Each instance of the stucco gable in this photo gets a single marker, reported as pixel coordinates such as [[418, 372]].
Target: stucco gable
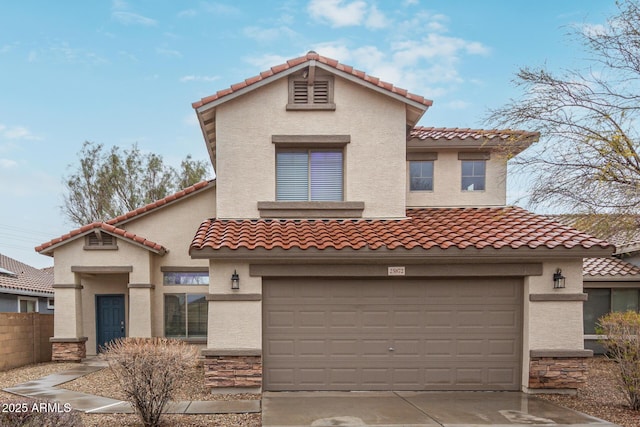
[[48, 248]]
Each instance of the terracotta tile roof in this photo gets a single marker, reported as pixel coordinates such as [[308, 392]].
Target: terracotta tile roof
[[323, 60], [119, 232], [109, 225], [608, 267], [18, 276], [461, 228], [433, 133]]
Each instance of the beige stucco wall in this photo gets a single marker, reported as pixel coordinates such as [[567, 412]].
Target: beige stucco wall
[[234, 324], [447, 182], [552, 325], [374, 159], [172, 226]]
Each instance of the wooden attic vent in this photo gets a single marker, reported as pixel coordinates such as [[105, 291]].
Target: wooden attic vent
[[100, 240], [310, 90]]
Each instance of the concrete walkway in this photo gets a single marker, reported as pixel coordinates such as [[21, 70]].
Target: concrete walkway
[[46, 388]]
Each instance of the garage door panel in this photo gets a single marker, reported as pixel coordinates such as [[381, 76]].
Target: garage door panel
[[337, 334]]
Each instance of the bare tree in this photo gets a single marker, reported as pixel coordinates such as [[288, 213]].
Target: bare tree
[[588, 158], [107, 184]]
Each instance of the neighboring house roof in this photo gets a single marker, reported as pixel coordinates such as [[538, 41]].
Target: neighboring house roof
[[110, 225], [609, 268], [292, 66], [431, 228], [19, 278]]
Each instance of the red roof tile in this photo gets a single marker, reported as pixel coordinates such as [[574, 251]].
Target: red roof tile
[[321, 59], [18, 276], [85, 229], [432, 133], [608, 267], [460, 228]]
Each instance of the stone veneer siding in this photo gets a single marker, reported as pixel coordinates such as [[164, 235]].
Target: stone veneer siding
[[68, 351], [557, 372], [232, 371]]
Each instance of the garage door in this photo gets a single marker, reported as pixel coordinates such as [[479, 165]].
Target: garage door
[[324, 334]]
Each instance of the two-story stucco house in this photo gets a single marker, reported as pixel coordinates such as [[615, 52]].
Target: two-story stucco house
[[341, 247]]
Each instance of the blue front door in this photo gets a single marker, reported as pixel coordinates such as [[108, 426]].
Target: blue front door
[[109, 319]]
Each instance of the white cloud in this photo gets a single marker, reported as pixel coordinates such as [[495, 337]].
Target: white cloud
[[193, 78], [191, 120], [120, 11], [338, 13], [187, 13], [7, 163], [266, 61], [376, 19], [17, 132], [172, 53], [220, 9], [261, 35], [458, 104], [33, 56], [130, 18]]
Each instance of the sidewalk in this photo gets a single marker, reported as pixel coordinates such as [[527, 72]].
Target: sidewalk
[[46, 388]]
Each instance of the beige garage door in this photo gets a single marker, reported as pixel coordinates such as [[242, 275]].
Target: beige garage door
[[324, 334]]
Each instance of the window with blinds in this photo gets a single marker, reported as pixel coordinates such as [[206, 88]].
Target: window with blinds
[[309, 175]]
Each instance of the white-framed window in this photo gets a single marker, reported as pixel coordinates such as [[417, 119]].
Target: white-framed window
[[51, 303], [474, 173], [421, 175], [309, 175], [185, 278], [27, 305], [185, 315]]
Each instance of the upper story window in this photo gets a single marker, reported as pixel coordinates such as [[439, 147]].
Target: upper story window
[[421, 175], [474, 173], [309, 175], [310, 90]]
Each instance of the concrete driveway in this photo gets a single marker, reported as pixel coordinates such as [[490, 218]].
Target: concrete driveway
[[446, 409]]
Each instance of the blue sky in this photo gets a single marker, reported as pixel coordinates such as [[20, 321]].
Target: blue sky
[[120, 72]]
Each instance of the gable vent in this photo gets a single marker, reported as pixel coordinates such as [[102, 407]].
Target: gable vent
[[104, 240], [321, 92], [300, 93]]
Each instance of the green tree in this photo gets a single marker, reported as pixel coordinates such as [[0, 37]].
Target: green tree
[[108, 183], [588, 158]]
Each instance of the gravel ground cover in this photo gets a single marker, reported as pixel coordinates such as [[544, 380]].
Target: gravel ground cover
[[103, 383], [601, 396]]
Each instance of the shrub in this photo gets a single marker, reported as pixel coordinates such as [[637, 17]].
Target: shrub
[[38, 413], [622, 344], [149, 371]]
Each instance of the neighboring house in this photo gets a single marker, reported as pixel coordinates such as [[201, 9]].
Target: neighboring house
[[341, 247], [25, 289], [612, 284]]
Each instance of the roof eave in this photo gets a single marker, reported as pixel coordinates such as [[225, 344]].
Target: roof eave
[[348, 255]]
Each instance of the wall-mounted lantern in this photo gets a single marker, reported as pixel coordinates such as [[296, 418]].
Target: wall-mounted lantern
[[235, 281], [558, 280]]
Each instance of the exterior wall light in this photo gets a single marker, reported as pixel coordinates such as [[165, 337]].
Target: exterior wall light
[[558, 279], [235, 280]]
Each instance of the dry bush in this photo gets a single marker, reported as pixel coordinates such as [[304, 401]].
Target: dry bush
[[149, 371], [623, 346], [38, 413]]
